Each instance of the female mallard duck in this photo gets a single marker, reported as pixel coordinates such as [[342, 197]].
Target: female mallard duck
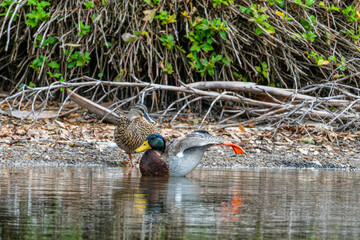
[[132, 130], [181, 157]]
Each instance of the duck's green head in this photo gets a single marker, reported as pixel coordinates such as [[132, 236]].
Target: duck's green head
[[154, 141]]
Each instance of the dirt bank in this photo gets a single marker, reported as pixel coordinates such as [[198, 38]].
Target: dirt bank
[[74, 141], [105, 154]]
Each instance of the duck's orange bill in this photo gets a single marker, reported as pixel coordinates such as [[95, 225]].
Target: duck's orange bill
[[237, 149]]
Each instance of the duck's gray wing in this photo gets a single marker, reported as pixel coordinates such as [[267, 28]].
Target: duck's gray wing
[[185, 153]]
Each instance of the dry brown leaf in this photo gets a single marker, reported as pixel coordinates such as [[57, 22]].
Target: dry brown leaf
[[60, 124], [241, 128]]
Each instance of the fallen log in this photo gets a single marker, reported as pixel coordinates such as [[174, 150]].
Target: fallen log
[[249, 87], [103, 112]]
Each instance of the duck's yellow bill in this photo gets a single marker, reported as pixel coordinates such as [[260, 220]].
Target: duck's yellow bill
[[143, 147], [237, 149]]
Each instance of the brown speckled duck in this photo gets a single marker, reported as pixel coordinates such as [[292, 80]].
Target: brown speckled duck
[[181, 156], [132, 130]]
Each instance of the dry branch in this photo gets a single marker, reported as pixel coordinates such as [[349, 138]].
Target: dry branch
[[314, 108]]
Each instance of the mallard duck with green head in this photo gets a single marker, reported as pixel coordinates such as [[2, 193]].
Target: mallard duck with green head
[[181, 156], [132, 130]]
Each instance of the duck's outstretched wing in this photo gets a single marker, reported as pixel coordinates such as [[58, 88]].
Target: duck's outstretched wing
[[199, 139]]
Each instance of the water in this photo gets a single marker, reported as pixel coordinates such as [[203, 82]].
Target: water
[[106, 203]]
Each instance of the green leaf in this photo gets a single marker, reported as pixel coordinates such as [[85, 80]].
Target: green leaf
[[308, 140], [222, 35], [53, 64], [270, 29], [211, 72], [89, 4], [258, 31], [32, 2], [44, 4], [246, 10], [308, 3], [217, 57], [206, 47], [71, 65], [100, 75], [32, 22], [195, 48]]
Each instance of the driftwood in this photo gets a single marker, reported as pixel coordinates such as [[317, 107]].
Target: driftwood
[[249, 87], [103, 112]]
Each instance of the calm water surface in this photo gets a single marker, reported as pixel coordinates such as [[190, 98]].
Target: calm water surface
[[106, 203]]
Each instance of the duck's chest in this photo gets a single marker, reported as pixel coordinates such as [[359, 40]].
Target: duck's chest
[[152, 164]]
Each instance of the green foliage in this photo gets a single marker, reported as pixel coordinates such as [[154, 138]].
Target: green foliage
[[50, 42], [219, 2], [355, 37], [180, 49], [258, 17], [331, 8], [38, 62], [6, 4], [310, 36], [240, 76], [341, 65], [202, 65], [83, 29], [166, 18], [319, 60], [78, 59], [204, 30], [308, 25], [168, 68], [307, 3], [272, 2], [168, 41], [38, 15], [201, 38], [263, 69], [351, 14], [89, 5], [153, 3]]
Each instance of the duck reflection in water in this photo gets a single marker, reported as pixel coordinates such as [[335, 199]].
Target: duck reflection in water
[[168, 202]]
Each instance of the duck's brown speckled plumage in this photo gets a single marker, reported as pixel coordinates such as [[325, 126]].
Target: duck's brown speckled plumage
[[132, 130]]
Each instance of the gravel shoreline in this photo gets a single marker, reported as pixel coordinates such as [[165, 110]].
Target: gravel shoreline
[[107, 154]]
